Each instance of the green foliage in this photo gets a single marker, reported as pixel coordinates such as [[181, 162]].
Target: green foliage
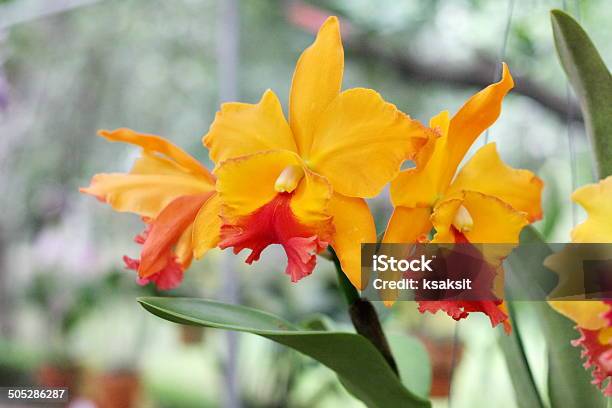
[[592, 83], [569, 384], [359, 366], [527, 394]]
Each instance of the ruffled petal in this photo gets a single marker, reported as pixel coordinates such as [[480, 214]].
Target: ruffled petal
[[359, 127], [275, 223], [596, 199], [246, 184], [597, 356], [587, 314], [353, 226], [310, 200], [316, 82], [486, 173], [461, 309], [493, 221], [242, 129], [166, 231]]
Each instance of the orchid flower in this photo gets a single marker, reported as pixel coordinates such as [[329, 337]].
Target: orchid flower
[[172, 192], [301, 183], [485, 202], [593, 318]]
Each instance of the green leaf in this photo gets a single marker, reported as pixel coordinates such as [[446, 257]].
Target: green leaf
[[527, 394], [413, 363], [591, 82], [358, 364], [569, 383]]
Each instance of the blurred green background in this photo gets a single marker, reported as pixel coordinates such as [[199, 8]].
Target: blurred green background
[[68, 68]]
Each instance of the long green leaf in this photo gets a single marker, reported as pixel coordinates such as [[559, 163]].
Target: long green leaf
[[591, 82], [358, 364], [569, 384], [521, 375], [413, 363]]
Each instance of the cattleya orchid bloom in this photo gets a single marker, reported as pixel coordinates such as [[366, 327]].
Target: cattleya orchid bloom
[[593, 318], [175, 196], [301, 183], [485, 202]]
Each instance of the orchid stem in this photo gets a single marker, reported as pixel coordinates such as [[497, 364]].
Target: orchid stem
[[364, 316]]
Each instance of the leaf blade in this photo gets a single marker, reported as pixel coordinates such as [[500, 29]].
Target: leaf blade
[[591, 81], [354, 359]]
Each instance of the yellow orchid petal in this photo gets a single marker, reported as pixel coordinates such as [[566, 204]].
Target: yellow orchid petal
[[422, 186], [311, 198], [442, 219], [241, 128], [476, 115], [586, 314], [153, 143], [353, 225], [488, 174], [359, 127], [206, 227], [596, 199], [247, 183], [151, 163], [169, 235], [144, 194], [316, 82], [493, 221], [605, 336], [184, 247], [407, 225]]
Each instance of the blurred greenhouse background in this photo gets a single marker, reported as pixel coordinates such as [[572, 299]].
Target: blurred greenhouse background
[[71, 67]]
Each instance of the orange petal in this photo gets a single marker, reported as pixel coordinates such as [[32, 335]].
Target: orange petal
[[246, 184], [311, 199], [275, 223], [596, 199], [354, 225], [206, 227], [166, 230], [474, 117], [153, 143], [423, 185], [408, 225], [488, 174], [242, 128], [493, 221], [586, 314], [144, 194], [316, 82], [360, 128]]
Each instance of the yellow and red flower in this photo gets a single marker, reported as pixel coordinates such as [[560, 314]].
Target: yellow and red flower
[[173, 193], [593, 318], [485, 202], [301, 183]]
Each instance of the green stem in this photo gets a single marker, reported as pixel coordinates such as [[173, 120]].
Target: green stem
[[364, 316]]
